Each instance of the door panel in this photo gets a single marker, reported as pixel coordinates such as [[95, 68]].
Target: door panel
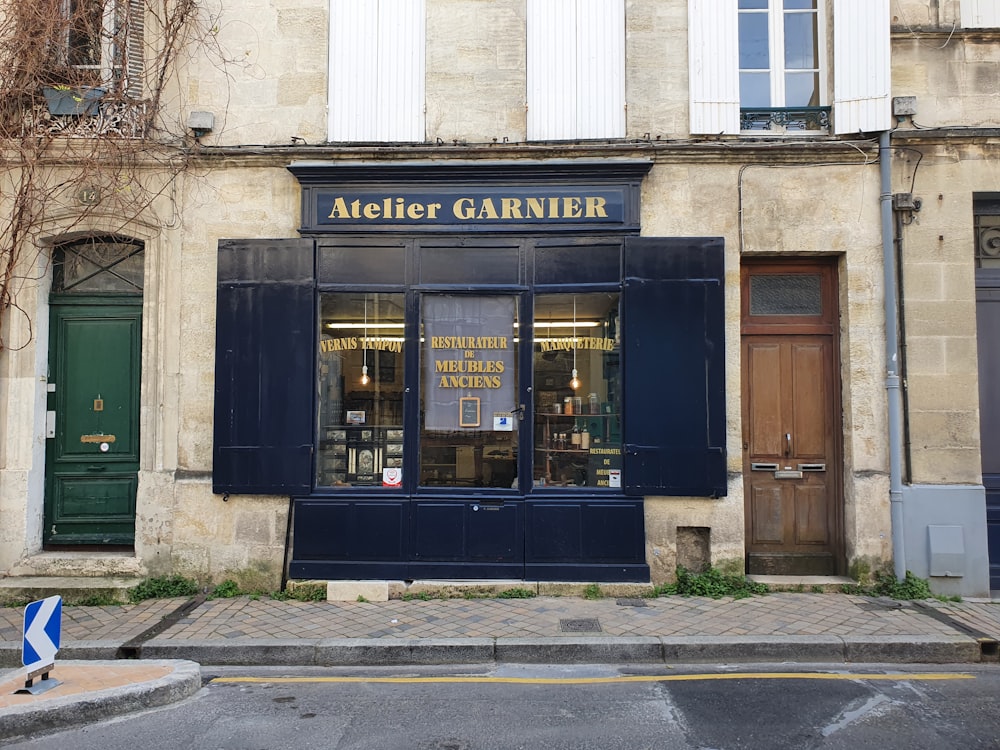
[[791, 432], [92, 460], [988, 325]]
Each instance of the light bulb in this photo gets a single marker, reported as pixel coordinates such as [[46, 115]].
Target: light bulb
[[574, 382], [365, 380]]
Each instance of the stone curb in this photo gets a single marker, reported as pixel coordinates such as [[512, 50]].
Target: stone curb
[[68, 711], [940, 649]]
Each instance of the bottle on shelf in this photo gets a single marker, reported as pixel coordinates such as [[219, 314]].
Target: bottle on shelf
[[574, 437], [585, 439], [595, 405]]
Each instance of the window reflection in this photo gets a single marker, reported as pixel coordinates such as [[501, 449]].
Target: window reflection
[[360, 380], [469, 391], [577, 440]]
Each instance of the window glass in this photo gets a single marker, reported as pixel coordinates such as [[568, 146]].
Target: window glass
[[801, 89], [468, 431], [987, 230], [786, 294], [98, 266], [755, 90], [754, 53], [360, 382], [800, 41], [577, 390]]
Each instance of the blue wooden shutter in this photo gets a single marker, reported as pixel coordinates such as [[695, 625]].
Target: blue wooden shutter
[[264, 369], [673, 367]]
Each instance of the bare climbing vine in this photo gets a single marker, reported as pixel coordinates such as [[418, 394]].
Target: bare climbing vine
[[89, 123]]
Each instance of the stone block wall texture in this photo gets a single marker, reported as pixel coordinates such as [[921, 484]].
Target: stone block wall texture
[[271, 92]]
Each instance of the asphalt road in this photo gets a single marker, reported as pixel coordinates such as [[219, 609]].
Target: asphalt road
[[579, 707]]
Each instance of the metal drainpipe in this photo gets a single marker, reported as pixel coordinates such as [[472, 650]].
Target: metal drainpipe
[[892, 379]]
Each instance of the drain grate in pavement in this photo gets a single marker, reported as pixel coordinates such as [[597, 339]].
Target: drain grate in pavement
[[631, 602], [583, 625]]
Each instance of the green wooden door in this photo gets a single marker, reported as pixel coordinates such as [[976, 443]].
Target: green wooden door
[[92, 450]]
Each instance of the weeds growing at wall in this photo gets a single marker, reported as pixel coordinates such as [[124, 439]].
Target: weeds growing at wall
[[712, 583]]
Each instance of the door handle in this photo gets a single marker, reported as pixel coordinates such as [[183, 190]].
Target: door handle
[[788, 443], [97, 468]]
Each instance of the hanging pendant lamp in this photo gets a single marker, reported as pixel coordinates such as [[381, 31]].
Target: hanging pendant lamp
[[574, 382], [365, 380]]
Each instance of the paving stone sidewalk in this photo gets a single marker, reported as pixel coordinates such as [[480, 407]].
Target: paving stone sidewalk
[[776, 615]]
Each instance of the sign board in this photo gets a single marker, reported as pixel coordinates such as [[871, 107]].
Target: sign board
[[42, 626]]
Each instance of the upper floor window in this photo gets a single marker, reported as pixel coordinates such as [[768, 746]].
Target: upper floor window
[[779, 56], [376, 70], [576, 69], [763, 66], [100, 44]]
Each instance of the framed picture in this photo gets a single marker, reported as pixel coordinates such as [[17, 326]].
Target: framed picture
[[468, 411], [355, 417]]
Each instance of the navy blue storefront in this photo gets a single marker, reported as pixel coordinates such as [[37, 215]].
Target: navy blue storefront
[[470, 370]]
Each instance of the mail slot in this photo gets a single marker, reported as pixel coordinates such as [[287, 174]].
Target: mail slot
[[788, 474], [763, 467], [812, 467]]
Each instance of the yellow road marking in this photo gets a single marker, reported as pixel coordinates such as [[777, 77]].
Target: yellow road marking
[[460, 679]]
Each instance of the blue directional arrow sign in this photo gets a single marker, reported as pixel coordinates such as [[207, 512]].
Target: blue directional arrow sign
[[42, 623]]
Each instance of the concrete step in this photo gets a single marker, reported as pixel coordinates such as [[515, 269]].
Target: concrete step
[[19, 590], [806, 584]]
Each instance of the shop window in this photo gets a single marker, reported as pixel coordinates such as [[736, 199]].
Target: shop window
[[577, 387], [360, 385], [376, 87], [469, 371], [576, 69]]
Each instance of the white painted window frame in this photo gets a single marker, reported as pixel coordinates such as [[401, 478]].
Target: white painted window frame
[[776, 48], [861, 74]]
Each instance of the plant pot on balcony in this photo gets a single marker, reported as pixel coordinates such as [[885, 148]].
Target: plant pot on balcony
[[73, 100]]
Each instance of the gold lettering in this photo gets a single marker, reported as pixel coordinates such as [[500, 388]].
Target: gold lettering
[[463, 208], [510, 208], [487, 210], [432, 209], [339, 210], [415, 211], [571, 208], [372, 210], [596, 207], [536, 208]]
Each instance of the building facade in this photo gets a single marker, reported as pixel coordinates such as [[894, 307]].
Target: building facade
[[566, 291]]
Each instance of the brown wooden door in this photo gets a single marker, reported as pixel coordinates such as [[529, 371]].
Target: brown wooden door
[[791, 431]]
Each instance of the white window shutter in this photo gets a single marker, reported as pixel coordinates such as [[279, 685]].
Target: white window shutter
[[376, 70], [400, 97], [713, 69], [980, 14], [601, 66], [861, 72], [576, 69]]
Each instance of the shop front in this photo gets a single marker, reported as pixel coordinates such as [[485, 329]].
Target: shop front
[[469, 370]]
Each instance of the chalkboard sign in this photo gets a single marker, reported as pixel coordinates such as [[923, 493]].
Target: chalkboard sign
[[468, 411]]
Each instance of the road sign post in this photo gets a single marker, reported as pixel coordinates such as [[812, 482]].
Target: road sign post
[[42, 626]]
